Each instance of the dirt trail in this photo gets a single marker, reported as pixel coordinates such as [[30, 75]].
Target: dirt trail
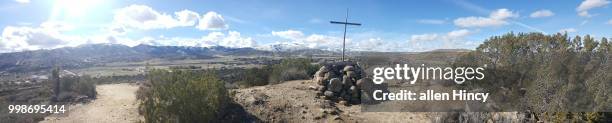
[[116, 103]]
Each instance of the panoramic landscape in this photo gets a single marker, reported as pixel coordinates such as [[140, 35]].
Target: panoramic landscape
[[64, 61]]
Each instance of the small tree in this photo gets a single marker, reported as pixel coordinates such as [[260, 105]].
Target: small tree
[[55, 79]]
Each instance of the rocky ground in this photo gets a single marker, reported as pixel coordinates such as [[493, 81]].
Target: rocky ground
[[295, 101]]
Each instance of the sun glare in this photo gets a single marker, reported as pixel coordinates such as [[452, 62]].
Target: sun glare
[[74, 8]]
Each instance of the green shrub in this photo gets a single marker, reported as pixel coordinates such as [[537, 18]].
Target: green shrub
[[71, 87], [547, 73], [86, 86], [287, 69], [255, 77], [292, 69], [183, 96]]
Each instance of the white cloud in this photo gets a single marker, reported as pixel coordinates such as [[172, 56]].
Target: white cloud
[[496, 18], [432, 21], [584, 14], [298, 39], [212, 21], [458, 33], [22, 1], [502, 14], [453, 39], [568, 30], [145, 17], [187, 17], [541, 13], [46, 36], [232, 39], [609, 22], [586, 5], [289, 34]]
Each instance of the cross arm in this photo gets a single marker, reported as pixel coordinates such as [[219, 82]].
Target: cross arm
[[347, 23]]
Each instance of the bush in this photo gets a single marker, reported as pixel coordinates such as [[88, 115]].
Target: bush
[[182, 96], [255, 77], [71, 87], [86, 86], [547, 73], [292, 69], [287, 69]]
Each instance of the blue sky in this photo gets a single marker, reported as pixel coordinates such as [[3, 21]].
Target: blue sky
[[419, 25]]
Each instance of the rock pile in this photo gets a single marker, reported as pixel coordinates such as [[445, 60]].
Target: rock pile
[[342, 82]]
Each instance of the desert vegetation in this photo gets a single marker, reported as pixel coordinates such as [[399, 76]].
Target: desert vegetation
[[182, 96], [190, 95], [554, 74], [69, 88], [57, 90], [287, 69]]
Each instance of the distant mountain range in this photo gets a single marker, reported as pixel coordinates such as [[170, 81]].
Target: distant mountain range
[[93, 54], [98, 54]]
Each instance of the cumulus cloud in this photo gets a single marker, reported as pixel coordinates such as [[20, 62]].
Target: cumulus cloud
[[22, 1], [187, 17], [586, 5], [212, 21], [145, 17], [318, 41], [541, 13], [231, 39], [289, 34], [47, 35], [496, 18], [568, 30]]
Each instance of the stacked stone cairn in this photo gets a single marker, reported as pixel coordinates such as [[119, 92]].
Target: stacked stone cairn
[[342, 82]]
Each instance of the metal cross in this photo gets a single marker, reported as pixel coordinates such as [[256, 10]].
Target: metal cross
[[346, 23]]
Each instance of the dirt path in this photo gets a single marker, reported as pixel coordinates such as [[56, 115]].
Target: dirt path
[[116, 103]]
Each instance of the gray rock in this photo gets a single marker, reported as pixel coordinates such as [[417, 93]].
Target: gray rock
[[347, 82], [328, 94], [365, 84], [351, 74], [324, 69], [320, 73], [319, 80], [322, 88], [349, 68], [335, 85], [329, 75], [354, 89]]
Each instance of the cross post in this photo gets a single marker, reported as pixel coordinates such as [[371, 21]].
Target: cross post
[[346, 23]]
